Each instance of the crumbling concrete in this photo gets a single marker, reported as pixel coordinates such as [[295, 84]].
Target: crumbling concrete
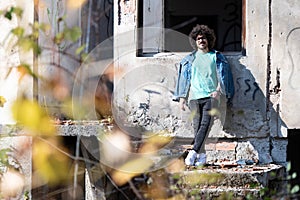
[[254, 182]]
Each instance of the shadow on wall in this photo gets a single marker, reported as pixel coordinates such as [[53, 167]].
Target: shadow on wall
[[103, 94], [253, 120]]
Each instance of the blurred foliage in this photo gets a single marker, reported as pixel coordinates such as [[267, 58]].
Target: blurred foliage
[[13, 10], [50, 164], [25, 69], [196, 178], [131, 169], [4, 158], [52, 161], [2, 101], [33, 117], [75, 3]]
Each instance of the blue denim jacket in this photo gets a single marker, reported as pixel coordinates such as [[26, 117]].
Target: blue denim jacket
[[184, 76]]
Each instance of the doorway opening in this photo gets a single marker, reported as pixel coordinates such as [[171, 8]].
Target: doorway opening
[[292, 155]]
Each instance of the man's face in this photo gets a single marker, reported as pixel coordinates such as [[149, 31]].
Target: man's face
[[202, 42]]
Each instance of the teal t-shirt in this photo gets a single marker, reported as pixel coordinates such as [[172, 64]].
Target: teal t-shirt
[[204, 75]]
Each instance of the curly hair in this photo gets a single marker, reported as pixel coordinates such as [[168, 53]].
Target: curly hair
[[205, 31]]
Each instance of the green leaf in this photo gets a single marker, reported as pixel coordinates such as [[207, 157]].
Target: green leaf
[[19, 31], [288, 167], [18, 11], [80, 49], [59, 37], [8, 14], [295, 189], [72, 34], [84, 56], [14, 10], [3, 156], [44, 27], [294, 175], [28, 44]]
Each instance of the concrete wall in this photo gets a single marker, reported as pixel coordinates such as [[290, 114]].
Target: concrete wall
[[285, 58], [13, 86], [262, 109], [58, 68], [265, 79], [10, 86]]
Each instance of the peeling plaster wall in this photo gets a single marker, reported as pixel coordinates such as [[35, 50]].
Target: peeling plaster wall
[[266, 88], [9, 57], [286, 59], [262, 107], [12, 87], [56, 67]]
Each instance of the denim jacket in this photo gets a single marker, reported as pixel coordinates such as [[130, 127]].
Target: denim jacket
[[184, 76]]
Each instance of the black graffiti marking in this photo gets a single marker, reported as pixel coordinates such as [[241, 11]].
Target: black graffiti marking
[[255, 90], [249, 87], [235, 26], [238, 84], [246, 81], [233, 12], [291, 57]]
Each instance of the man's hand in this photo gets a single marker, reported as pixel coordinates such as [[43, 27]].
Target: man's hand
[[182, 103], [215, 95]]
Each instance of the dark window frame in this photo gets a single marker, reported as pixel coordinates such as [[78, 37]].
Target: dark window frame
[[242, 27]]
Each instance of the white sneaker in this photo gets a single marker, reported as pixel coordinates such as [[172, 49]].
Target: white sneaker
[[200, 159], [191, 157]]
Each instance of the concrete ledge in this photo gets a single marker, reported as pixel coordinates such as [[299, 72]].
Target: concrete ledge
[[235, 181]]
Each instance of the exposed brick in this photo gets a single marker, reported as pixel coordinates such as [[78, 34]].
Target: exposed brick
[[210, 146], [226, 146]]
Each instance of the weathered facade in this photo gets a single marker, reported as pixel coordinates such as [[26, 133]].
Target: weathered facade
[[264, 72], [137, 40]]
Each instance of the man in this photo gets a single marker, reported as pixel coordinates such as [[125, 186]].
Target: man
[[203, 76]]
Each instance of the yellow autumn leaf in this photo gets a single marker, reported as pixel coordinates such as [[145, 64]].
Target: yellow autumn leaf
[[2, 101], [131, 169], [155, 143], [215, 112], [51, 165], [175, 166], [75, 3], [33, 117], [24, 69]]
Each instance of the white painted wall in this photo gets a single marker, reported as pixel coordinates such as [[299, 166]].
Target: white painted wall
[[10, 57]]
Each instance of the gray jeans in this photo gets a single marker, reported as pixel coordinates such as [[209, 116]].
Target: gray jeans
[[200, 109]]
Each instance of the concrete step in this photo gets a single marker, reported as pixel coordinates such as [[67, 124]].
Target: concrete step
[[254, 182]]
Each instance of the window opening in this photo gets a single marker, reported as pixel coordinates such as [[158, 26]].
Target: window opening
[[225, 17]]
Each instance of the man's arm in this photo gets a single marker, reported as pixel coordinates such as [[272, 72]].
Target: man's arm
[[182, 104]]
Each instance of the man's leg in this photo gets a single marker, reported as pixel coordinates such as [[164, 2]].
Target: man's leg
[[205, 105], [195, 112]]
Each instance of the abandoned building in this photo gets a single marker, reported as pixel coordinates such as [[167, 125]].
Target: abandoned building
[[134, 48]]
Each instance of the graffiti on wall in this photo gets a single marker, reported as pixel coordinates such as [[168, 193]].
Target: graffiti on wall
[[232, 34], [247, 87], [294, 56]]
